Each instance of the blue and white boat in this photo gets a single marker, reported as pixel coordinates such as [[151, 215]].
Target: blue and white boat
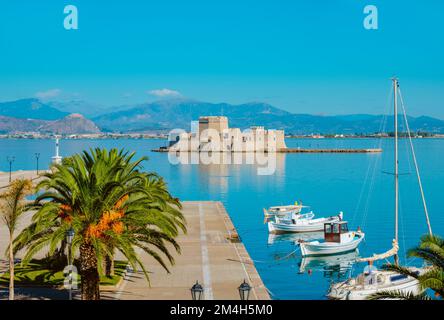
[[337, 239]]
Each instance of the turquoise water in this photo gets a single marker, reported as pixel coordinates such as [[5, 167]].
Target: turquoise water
[[353, 183]]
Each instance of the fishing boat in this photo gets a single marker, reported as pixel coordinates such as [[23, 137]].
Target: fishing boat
[[301, 223], [283, 211], [337, 239], [372, 280]]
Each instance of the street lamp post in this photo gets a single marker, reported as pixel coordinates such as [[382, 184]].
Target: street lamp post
[[37, 156], [197, 291], [69, 237], [10, 160], [244, 290]]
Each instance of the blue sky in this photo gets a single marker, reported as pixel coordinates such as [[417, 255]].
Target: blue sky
[[305, 56]]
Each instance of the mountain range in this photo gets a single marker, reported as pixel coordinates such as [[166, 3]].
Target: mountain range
[[161, 116], [32, 115]]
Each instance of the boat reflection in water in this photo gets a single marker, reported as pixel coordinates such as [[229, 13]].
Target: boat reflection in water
[[293, 237], [333, 266]]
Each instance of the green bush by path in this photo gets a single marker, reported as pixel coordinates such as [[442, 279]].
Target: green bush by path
[[36, 273]]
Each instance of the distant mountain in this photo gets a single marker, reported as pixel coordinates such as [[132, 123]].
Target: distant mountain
[[9, 125], [166, 115], [72, 124], [169, 114], [30, 109], [78, 106]]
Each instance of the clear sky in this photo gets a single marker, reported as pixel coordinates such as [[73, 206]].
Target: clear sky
[[305, 56]]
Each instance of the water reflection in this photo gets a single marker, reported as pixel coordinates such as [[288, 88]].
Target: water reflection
[[294, 237], [334, 266], [218, 171], [263, 163]]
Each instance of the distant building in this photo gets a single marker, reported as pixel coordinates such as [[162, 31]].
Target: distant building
[[213, 134]]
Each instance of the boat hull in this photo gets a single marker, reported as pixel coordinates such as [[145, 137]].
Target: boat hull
[[329, 248]]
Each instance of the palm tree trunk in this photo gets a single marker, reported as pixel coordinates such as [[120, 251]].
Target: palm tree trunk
[[89, 273], [109, 266], [11, 269]]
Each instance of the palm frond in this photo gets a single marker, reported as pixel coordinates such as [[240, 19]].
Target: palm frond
[[397, 295]]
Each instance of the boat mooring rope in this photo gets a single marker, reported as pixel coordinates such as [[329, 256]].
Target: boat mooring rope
[[270, 261]]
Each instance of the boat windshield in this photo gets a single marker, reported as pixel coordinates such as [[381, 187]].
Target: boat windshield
[[328, 228], [336, 228]]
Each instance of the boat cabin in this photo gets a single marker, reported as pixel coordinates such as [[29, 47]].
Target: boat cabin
[[333, 231]]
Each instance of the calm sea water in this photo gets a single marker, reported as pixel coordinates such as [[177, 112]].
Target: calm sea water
[[353, 183]]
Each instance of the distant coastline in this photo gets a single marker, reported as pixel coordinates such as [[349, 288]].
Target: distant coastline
[[164, 136], [135, 136]]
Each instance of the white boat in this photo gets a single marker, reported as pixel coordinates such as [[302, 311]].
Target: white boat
[[301, 223], [337, 239], [372, 280], [283, 211]]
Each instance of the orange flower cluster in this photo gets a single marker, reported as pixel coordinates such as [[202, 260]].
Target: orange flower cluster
[[119, 202], [65, 213], [108, 221]]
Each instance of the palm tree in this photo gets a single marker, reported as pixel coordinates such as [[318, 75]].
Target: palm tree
[[111, 205], [431, 250], [156, 190], [12, 207]]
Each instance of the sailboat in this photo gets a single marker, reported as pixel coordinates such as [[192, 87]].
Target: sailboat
[[373, 280]]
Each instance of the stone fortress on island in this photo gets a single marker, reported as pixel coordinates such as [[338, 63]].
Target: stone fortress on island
[[212, 134]]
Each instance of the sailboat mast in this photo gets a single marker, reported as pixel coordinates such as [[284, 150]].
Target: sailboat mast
[[395, 90]]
